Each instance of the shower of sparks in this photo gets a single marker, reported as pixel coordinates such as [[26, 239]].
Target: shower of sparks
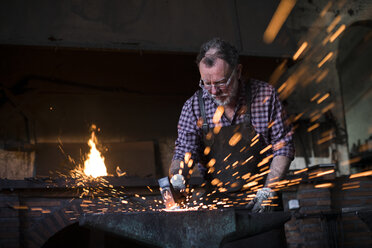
[[97, 194]]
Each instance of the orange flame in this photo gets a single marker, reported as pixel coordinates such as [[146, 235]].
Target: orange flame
[[94, 165]]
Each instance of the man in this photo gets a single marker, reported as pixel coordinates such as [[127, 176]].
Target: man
[[233, 129]]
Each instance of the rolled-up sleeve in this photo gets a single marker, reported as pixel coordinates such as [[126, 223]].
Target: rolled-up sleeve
[[189, 134], [280, 129]]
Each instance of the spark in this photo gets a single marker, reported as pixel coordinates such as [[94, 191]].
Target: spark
[[300, 50], [328, 107], [20, 207], [119, 172], [322, 75], [326, 8], [324, 185], [316, 125], [254, 142], [298, 116], [282, 12], [235, 139], [266, 149], [315, 117], [217, 129], [333, 24], [319, 174], [351, 161], [315, 97], [271, 124], [246, 176], [326, 58], [291, 184], [278, 73], [249, 185], [207, 150], [215, 181], [361, 174], [350, 184], [281, 88], [247, 160], [274, 178], [337, 33], [265, 100], [264, 173], [218, 114], [326, 39], [323, 98], [255, 137], [265, 160], [211, 162], [187, 157], [325, 139], [189, 164], [351, 187], [226, 157]]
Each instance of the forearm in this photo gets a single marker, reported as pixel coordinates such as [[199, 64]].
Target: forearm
[[278, 168], [174, 168]]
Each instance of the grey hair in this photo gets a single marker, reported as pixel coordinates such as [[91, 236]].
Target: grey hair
[[223, 50]]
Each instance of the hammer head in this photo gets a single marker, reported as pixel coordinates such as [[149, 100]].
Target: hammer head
[[167, 193]]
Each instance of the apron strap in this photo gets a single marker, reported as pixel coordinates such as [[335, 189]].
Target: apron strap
[[248, 94], [205, 127]]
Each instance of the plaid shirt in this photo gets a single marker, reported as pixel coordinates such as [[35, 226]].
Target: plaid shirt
[[268, 119]]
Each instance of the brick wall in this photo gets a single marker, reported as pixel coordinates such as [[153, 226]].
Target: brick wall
[[9, 228], [328, 216]]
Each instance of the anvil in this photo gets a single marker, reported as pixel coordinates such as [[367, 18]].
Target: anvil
[[202, 228]]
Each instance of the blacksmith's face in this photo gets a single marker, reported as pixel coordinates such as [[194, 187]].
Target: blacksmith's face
[[215, 78]]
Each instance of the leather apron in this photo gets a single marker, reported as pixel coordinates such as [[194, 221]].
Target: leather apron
[[231, 166]]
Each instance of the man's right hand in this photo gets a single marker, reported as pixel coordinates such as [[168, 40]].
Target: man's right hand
[[178, 182], [179, 186]]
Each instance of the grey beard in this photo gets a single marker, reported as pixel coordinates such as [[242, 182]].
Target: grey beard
[[234, 93]]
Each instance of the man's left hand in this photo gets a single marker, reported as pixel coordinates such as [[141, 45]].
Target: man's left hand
[[257, 205]]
